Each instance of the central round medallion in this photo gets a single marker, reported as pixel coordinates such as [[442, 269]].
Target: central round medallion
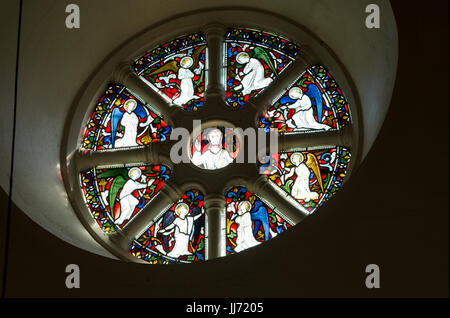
[[214, 148]]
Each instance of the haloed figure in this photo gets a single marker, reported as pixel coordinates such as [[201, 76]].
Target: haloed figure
[[130, 122], [182, 227], [303, 118], [128, 201], [215, 157], [253, 74], [300, 189], [185, 75], [245, 238]]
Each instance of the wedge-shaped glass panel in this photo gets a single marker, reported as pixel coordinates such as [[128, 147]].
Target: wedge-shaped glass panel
[[311, 177], [177, 70], [250, 221], [176, 236], [121, 120], [313, 103], [253, 59], [115, 195]]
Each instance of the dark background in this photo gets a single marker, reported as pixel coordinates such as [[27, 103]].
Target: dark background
[[392, 212]]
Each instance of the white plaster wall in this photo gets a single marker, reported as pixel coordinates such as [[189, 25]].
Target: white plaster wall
[[55, 62]]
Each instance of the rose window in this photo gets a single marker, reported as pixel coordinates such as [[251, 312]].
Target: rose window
[[143, 203]]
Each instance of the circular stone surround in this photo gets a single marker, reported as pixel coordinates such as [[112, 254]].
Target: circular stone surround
[[214, 184]]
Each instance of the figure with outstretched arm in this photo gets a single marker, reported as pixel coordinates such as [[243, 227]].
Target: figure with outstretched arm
[[128, 201], [182, 228], [215, 156], [185, 71]]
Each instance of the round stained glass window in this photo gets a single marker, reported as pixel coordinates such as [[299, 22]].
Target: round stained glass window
[[135, 177]]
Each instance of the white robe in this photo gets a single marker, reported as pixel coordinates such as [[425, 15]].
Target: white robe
[[245, 238], [303, 119], [210, 160], [187, 87], [128, 201], [254, 77], [300, 189], [130, 123], [183, 230]]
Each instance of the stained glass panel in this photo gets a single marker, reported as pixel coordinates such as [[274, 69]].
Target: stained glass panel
[[211, 149], [116, 195], [311, 177], [249, 221], [253, 60], [177, 236], [315, 102], [177, 70], [122, 120]]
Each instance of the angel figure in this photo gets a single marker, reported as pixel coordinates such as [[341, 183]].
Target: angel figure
[[184, 228], [126, 184], [185, 75], [245, 238], [215, 157], [303, 118], [130, 121], [300, 189], [253, 73], [186, 70]]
